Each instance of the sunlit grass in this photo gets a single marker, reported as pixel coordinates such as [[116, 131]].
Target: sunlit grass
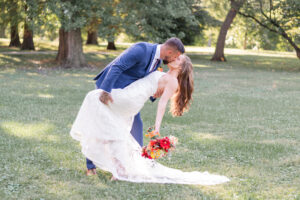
[[36, 131], [45, 96], [197, 50]]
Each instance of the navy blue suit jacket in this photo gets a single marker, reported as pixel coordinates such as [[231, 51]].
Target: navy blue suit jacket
[[134, 63]]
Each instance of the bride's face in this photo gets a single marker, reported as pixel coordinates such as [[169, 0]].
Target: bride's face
[[176, 63]]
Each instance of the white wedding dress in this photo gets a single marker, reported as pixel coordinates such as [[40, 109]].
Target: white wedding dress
[[104, 134]]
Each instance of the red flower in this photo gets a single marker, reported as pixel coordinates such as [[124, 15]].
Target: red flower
[[165, 143], [145, 153]]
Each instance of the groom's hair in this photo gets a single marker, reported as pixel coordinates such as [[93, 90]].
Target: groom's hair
[[176, 44]]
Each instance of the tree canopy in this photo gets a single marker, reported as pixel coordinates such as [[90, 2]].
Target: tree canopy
[[267, 24]]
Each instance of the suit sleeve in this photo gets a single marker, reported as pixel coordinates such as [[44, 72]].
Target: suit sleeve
[[125, 61]]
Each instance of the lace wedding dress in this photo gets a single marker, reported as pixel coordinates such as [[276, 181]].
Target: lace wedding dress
[[104, 134]]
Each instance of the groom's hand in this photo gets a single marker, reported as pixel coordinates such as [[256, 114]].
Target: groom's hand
[[105, 98], [158, 92]]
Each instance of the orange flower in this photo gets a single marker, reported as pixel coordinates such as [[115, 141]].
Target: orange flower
[[152, 134]]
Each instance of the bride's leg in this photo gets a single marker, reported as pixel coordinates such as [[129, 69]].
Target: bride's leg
[[120, 168], [115, 149]]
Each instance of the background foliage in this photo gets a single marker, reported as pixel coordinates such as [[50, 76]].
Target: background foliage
[[195, 22]]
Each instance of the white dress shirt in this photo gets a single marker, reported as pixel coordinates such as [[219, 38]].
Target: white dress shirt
[[156, 57]]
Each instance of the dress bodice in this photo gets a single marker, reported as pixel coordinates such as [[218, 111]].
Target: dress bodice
[[130, 100]]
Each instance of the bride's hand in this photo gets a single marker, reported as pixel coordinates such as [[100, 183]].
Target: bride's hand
[[156, 131]]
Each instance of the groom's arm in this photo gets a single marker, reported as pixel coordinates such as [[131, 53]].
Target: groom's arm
[[125, 61]]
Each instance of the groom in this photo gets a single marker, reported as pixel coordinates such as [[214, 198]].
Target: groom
[[134, 63]]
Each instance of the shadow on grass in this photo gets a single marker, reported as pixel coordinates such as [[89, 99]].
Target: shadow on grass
[[7, 49], [27, 61], [48, 46], [48, 60]]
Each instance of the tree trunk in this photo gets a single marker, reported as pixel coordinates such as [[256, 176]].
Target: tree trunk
[[298, 53], [92, 37], [27, 39], [209, 40], [245, 41], [70, 53], [14, 36], [62, 46], [2, 31], [219, 52], [75, 57], [297, 49], [111, 46]]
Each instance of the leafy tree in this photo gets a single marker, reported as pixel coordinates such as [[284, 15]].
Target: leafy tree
[[158, 20], [73, 15], [3, 18], [26, 13], [111, 21], [93, 22], [45, 22], [36, 17], [13, 16], [191, 26], [31, 11], [243, 34], [235, 5], [278, 16], [92, 31]]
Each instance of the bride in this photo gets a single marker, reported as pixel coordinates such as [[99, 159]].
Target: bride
[[104, 130]]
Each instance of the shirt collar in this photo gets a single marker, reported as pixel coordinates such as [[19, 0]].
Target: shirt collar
[[157, 53]]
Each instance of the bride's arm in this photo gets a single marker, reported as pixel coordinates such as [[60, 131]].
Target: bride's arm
[[169, 90]]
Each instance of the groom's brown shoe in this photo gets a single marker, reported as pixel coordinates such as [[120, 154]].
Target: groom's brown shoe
[[91, 172]]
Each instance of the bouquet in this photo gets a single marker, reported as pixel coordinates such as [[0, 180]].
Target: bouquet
[[160, 69], [158, 147]]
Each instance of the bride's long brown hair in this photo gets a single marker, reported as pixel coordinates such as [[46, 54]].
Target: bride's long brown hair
[[181, 100]]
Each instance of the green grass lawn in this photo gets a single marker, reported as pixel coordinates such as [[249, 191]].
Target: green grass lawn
[[244, 123]]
